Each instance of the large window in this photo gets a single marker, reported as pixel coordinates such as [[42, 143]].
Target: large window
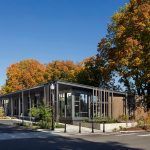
[[99, 104], [62, 104], [81, 105]]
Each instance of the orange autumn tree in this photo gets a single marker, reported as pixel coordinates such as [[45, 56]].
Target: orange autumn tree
[[24, 74], [127, 45], [62, 70]]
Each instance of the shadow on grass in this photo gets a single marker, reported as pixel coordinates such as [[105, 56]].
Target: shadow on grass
[[60, 143]]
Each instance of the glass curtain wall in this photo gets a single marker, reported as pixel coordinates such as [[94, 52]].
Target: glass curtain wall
[[81, 105], [62, 104], [99, 104]]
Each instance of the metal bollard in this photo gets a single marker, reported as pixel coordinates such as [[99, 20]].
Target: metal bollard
[[92, 127], [103, 126], [65, 128], [79, 127]]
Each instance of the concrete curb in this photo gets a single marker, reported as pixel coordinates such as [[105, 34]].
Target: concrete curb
[[134, 131], [60, 133]]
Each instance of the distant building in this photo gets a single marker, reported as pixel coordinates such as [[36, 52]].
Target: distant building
[[81, 101]]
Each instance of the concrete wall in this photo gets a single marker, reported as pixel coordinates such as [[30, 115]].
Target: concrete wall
[[109, 127], [116, 126], [117, 107]]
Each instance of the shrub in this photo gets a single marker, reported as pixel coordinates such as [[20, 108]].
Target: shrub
[[58, 125], [35, 112], [115, 130], [43, 115], [144, 121], [147, 120], [122, 128], [123, 118], [141, 122], [44, 124], [2, 114], [106, 120]]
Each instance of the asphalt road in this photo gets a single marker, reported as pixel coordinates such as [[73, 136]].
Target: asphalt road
[[14, 138]]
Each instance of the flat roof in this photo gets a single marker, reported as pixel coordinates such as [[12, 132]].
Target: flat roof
[[87, 86], [64, 83]]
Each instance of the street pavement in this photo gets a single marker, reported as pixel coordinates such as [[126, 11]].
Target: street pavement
[[16, 138]]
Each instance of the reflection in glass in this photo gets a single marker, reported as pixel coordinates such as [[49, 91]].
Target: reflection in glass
[[81, 105], [62, 104]]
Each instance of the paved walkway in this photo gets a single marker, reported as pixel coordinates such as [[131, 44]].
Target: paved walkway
[[75, 129], [18, 138], [72, 130]]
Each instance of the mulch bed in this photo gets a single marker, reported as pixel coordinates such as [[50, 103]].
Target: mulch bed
[[136, 129]]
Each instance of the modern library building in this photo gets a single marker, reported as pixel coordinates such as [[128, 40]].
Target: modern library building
[[68, 100]]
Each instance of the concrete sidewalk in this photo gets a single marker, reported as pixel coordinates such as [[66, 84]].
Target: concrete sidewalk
[[71, 130], [75, 129]]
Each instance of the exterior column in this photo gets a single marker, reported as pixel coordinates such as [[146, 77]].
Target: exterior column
[[104, 101], [22, 104], [44, 99], [126, 105], [96, 102], [30, 105], [73, 105], [89, 106], [47, 95], [112, 95], [37, 101], [101, 103], [57, 102], [93, 103], [127, 114], [12, 111], [109, 105], [19, 107]]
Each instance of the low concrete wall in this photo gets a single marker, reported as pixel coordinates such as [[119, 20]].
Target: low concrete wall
[[116, 126], [108, 127], [87, 125]]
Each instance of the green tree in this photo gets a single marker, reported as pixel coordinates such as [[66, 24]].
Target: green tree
[[91, 72], [94, 73]]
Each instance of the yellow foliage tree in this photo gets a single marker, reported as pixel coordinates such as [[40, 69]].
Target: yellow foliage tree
[[62, 70], [127, 45]]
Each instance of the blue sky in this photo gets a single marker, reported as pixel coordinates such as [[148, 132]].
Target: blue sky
[[49, 30]]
